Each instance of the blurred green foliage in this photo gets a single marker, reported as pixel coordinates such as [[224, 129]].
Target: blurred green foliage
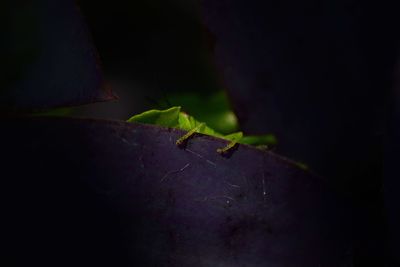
[[213, 109]]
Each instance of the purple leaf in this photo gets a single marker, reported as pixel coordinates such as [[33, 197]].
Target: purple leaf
[[116, 194]]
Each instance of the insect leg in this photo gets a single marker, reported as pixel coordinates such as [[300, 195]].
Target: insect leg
[[183, 139], [227, 147]]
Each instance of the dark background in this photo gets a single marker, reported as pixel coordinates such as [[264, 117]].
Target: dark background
[[321, 75], [148, 50]]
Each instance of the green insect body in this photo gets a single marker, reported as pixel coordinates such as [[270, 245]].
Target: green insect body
[[175, 118]]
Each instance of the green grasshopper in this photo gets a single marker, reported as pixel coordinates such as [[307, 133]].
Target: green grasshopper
[[175, 118]]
